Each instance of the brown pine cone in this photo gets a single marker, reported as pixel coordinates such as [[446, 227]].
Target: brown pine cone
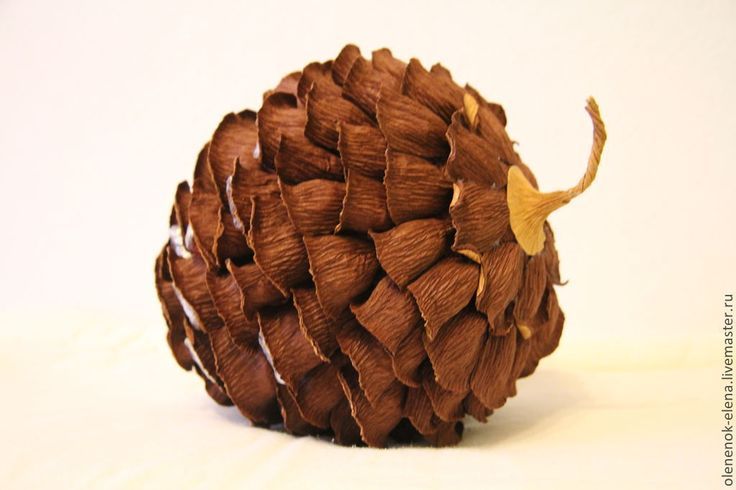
[[366, 257]]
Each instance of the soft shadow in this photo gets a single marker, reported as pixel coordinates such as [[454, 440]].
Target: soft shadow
[[541, 398], [231, 414]]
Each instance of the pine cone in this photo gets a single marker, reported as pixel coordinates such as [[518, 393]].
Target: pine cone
[[365, 258]]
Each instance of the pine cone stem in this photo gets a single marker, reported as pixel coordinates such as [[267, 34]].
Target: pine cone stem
[[529, 208]]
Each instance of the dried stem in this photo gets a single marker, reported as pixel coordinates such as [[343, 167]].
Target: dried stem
[[529, 208]]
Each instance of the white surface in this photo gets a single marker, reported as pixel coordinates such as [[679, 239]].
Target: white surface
[[104, 106], [104, 408]]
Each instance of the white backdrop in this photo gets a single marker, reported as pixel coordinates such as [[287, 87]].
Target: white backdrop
[[104, 106]]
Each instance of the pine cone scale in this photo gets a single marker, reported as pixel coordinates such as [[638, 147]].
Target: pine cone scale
[[410, 127], [415, 188], [247, 378]]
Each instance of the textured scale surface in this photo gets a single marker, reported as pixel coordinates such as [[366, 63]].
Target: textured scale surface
[[342, 264]]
